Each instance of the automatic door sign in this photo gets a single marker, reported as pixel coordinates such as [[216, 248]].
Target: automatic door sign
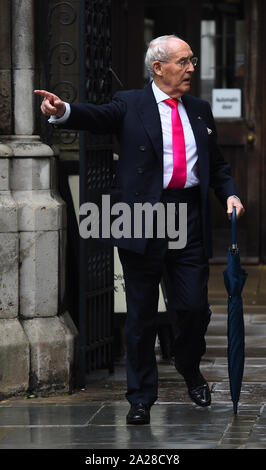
[[226, 102]]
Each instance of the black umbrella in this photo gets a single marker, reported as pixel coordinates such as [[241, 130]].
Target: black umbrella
[[234, 279]]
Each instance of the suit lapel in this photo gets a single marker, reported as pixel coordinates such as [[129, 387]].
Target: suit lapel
[[198, 125], [200, 133], [149, 114]]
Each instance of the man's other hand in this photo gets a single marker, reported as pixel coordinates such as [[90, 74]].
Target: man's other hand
[[234, 201], [51, 105]]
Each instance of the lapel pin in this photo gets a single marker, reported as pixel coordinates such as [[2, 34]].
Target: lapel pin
[[199, 117]]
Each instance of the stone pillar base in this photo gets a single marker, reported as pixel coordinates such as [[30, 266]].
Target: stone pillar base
[[14, 358], [52, 344]]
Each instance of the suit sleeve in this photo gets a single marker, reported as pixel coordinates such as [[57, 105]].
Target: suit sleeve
[[98, 119]]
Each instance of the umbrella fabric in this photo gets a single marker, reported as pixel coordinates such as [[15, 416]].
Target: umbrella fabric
[[234, 279]]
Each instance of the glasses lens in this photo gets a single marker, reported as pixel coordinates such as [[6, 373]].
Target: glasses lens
[[194, 61]]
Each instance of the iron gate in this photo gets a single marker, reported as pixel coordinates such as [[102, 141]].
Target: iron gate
[[96, 172], [77, 58]]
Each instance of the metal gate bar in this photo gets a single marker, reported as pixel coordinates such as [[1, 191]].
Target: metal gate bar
[[96, 290], [74, 51]]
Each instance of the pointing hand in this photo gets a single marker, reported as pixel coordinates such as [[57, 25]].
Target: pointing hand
[[51, 105]]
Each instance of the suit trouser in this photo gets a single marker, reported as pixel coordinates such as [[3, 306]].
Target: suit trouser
[[187, 273]]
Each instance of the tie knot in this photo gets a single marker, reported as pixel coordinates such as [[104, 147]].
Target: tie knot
[[172, 102]]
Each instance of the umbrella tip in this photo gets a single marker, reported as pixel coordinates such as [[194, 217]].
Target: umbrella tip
[[235, 409]]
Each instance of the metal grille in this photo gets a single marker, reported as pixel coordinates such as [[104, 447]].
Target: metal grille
[[77, 57], [96, 170]]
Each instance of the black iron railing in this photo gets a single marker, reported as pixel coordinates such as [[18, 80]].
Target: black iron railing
[[77, 52]]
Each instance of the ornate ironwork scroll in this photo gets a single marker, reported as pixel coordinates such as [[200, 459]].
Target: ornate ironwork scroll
[[62, 62]]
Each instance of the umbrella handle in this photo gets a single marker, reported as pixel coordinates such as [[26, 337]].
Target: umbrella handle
[[233, 226]]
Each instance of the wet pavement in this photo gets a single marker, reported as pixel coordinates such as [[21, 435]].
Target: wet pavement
[[94, 418]]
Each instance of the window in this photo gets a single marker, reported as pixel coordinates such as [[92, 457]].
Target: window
[[223, 56]]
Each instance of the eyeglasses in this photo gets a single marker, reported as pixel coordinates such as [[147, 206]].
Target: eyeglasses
[[184, 63]]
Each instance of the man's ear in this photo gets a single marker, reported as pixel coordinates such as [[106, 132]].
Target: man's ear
[[157, 67]]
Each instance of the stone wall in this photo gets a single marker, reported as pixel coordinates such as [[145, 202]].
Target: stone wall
[[37, 340]]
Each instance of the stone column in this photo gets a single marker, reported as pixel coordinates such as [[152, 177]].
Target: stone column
[[38, 228], [14, 344], [5, 69], [23, 65]]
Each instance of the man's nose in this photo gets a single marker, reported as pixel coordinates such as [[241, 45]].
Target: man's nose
[[191, 67]]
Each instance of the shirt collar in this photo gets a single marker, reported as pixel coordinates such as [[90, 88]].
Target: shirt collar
[[160, 95]]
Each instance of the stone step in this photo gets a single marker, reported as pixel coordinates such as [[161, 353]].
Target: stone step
[[247, 308], [219, 328], [255, 331], [255, 346]]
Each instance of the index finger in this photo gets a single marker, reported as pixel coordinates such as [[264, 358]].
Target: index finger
[[44, 93]]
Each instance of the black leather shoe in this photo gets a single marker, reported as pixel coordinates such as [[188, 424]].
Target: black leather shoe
[[198, 389], [138, 414], [200, 395]]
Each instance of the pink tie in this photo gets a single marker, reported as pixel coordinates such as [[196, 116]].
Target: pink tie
[[179, 175]]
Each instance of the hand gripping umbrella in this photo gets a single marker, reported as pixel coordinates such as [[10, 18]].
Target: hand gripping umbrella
[[234, 279]]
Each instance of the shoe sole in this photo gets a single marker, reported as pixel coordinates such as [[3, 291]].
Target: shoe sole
[[138, 421]]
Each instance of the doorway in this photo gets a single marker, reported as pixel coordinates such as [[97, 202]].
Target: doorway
[[225, 35]]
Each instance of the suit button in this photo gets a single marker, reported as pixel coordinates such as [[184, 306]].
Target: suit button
[[136, 193], [140, 170], [142, 148]]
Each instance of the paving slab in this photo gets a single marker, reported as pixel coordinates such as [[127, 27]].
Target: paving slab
[[64, 426], [46, 415], [94, 418], [103, 426]]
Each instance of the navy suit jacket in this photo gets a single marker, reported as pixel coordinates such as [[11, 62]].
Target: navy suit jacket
[[134, 117]]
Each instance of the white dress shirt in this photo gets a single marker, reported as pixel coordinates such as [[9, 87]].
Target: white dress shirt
[[62, 119], [166, 121], [191, 148]]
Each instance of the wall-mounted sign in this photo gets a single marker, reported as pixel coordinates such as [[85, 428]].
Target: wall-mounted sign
[[226, 102]]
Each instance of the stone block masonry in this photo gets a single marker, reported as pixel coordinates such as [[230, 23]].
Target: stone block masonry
[[37, 337], [37, 340]]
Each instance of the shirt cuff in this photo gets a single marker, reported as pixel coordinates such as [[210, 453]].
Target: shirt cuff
[[62, 119], [233, 195]]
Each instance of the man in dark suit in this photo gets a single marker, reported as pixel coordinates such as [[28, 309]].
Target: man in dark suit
[[168, 155]]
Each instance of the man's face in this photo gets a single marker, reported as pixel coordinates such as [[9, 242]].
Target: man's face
[[171, 77]]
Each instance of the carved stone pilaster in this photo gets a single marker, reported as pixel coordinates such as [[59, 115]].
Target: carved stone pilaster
[[5, 69], [37, 339]]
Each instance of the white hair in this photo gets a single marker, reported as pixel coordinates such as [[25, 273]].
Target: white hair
[[158, 49]]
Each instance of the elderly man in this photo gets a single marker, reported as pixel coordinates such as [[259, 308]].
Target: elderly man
[[168, 154]]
